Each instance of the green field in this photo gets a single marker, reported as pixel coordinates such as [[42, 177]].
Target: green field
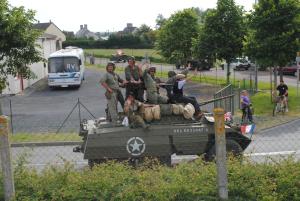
[[138, 53]]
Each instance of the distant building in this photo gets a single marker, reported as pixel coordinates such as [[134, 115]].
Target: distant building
[[85, 33], [69, 34], [50, 41], [128, 29]]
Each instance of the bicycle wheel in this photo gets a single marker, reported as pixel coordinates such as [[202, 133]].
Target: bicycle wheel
[[283, 108], [275, 109]]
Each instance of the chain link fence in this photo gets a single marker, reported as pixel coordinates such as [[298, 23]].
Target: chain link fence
[[48, 131]]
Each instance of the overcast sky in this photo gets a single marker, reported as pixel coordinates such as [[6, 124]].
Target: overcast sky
[[110, 15]]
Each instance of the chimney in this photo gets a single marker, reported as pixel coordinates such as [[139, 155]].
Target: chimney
[[129, 24], [81, 26], [85, 26]]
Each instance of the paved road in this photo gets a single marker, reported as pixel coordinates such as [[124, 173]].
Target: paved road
[[40, 109], [276, 142]]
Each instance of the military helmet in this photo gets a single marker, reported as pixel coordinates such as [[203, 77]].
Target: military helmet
[[111, 64], [152, 69], [131, 58], [171, 73]]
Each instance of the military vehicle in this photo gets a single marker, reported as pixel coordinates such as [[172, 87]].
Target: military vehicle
[[119, 57], [103, 140]]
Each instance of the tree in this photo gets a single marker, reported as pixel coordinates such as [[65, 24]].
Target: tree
[[224, 32], [17, 42], [146, 34], [203, 45], [275, 32], [175, 37], [160, 20]]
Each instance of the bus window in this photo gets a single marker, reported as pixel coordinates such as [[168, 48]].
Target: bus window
[[63, 64]]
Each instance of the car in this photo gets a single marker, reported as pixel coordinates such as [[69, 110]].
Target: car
[[239, 64], [171, 134], [289, 69], [199, 65]]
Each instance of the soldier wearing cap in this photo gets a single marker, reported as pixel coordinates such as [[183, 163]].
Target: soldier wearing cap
[[170, 83], [179, 97], [153, 97], [110, 81], [133, 77]]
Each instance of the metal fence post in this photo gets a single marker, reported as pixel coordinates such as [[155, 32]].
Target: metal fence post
[[8, 179], [11, 117], [220, 143], [79, 111]]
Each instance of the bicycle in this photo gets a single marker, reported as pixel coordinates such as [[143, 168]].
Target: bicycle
[[279, 106]]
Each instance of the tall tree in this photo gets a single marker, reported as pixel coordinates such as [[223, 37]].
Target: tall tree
[[224, 32], [160, 20], [175, 36], [275, 32], [203, 46], [17, 42]]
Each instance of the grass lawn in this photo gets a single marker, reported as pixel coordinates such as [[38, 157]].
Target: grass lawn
[[139, 53]]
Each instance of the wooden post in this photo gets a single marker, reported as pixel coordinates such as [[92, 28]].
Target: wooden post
[[8, 180], [220, 143]]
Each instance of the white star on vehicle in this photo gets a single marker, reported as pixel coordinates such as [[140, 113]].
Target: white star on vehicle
[[135, 146]]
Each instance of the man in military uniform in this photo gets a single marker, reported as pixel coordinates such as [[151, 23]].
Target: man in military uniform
[[134, 110], [110, 81], [133, 77], [170, 83], [153, 97]]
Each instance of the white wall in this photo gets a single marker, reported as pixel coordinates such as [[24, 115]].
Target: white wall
[[48, 46]]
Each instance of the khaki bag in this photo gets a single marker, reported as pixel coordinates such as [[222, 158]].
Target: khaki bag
[[148, 116], [156, 112], [189, 111]]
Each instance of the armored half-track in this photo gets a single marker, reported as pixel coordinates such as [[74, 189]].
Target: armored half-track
[[103, 140]]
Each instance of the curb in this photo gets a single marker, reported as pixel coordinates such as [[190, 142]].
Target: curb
[[277, 125], [45, 144]]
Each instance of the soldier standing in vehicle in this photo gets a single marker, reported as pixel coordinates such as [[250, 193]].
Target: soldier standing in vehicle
[[152, 87], [110, 81], [133, 77]]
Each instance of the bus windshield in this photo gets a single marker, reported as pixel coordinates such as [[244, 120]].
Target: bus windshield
[[63, 65]]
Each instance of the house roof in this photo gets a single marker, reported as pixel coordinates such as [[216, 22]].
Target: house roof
[[42, 26]]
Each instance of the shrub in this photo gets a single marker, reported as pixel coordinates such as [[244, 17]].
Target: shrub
[[187, 181]]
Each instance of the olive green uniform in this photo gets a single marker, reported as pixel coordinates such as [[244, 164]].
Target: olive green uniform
[[135, 114], [151, 89], [112, 80], [136, 89]]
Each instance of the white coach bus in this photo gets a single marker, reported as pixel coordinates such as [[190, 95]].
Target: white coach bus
[[66, 67]]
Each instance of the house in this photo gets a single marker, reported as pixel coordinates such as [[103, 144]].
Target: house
[[85, 33], [50, 41], [128, 29]]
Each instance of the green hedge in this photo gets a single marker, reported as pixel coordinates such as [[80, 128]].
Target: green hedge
[[188, 181]]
